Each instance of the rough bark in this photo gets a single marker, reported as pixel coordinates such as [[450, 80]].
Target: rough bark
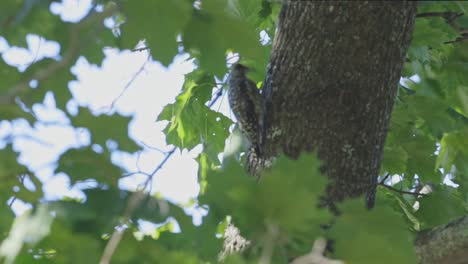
[[444, 244], [331, 84], [330, 88]]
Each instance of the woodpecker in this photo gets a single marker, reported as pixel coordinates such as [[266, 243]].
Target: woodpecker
[[247, 105]]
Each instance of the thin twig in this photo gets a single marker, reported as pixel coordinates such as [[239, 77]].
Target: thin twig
[[31, 138], [218, 94], [168, 155], [21, 180], [135, 200], [445, 15], [129, 83], [385, 177], [34, 57], [140, 49], [400, 191], [148, 48], [133, 203], [135, 173], [137, 161], [151, 147]]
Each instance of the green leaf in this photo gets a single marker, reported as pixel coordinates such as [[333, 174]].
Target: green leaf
[[406, 133], [434, 114], [378, 236], [98, 214], [213, 31], [101, 39], [84, 164], [394, 159], [22, 19], [8, 10], [104, 206], [9, 167], [422, 159], [441, 206], [63, 245], [9, 76], [291, 182], [234, 259], [157, 21], [253, 206], [58, 84], [150, 251], [200, 240], [6, 218], [191, 122], [401, 204], [204, 165], [432, 32], [452, 146], [14, 111], [12, 175], [88, 220], [28, 195], [105, 127], [420, 54], [247, 10]]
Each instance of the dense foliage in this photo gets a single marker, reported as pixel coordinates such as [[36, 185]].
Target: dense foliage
[[427, 142]]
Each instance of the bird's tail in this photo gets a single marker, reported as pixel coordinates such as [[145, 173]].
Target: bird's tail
[[254, 161]]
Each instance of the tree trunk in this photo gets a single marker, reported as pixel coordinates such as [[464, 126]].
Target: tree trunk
[[331, 84], [330, 88]]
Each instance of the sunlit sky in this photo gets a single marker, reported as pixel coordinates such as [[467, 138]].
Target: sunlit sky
[[98, 88]]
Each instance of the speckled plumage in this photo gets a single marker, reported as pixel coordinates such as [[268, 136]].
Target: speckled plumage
[[247, 104]]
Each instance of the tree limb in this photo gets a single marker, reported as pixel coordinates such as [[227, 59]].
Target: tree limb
[[338, 66], [316, 255], [444, 244]]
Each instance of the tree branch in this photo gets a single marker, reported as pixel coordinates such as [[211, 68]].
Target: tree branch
[[316, 255], [137, 197], [446, 15], [318, 62], [444, 244], [382, 183]]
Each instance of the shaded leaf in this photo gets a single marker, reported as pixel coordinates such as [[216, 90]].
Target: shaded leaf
[[84, 164], [105, 127], [394, 159], [213, 30], [65, 246], [58, 84], [191, 122], [453, 146], [295, 185], [23, 17], [159, 22], [384, 234], [441, 206]]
